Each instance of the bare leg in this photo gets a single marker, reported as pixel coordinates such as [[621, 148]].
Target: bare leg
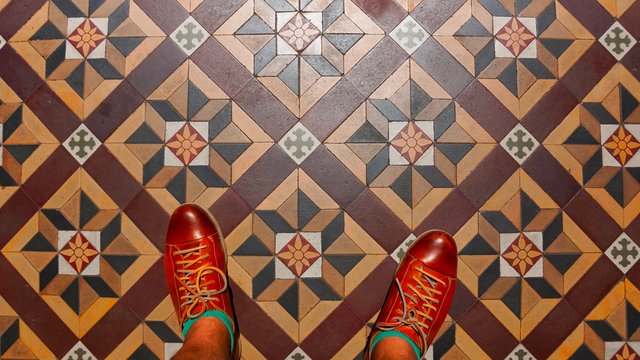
[[208, 338], [393, 348]]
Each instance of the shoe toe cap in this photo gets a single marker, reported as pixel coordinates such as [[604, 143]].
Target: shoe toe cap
[[437, 250], [189, 222]]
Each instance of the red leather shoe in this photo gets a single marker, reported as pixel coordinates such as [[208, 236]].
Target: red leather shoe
[[196, 268], [422, 289]]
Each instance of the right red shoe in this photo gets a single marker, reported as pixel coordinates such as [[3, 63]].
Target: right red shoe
[[196, 267], [421, 292]]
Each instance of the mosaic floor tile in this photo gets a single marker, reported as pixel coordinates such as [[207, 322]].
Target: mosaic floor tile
[[324, 136]]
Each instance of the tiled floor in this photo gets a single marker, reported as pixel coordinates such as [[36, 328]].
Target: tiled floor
[[349, 126]]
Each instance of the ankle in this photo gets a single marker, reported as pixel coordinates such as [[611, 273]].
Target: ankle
[[393, 347]]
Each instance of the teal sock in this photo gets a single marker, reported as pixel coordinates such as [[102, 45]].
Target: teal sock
[[393, 333], [211, 313]]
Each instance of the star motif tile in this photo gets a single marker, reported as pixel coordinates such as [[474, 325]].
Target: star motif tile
[[621, 350], [299, 32], [617, 40], [190, 35], [515, 37], [79, 252], [86, 38], [187, 145], [409, 34], [298, 255], [412, 143], [81, 144], [521, 254], [620, 145], [624, 253]]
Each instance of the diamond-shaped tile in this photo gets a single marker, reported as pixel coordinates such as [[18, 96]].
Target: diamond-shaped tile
[[519, 143], [190, 35], [299, 143], [81, 144], [79, 352], [399, 252], [409, 35], [520, 352], [624, 252], [618, 40]]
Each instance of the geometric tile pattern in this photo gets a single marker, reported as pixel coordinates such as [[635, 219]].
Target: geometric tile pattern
[[324, 136]]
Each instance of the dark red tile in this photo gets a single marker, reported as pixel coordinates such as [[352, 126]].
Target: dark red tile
[[50, 176], [590, 14], [148, 291], [111, 330], [330, 336], [229, 211], [157, 66], [265, 175], [369, 296], [332, 176], [549, 111], [260, 329], [15, 14], [221, 67], [593, 220], [487, 110], [17, 73], [112, 177], [382, 61], [378, 221], [552, 330], [463, 299], [330, 111], [630, 20], [149, 217], [632, 61], [14, 214], [633, 229], [487, 331], [442, 67], [166, 14], [488, 177], [588, 70], [213, 13], [594, 285], [551, 176], [114, 110], [386, 13], [265, 109], [454, 211], [432, 14], [634, 274], [53, 113], [36, 314]]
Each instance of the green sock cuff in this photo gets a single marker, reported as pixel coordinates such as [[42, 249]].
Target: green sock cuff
[[211, 313], [393, 333]]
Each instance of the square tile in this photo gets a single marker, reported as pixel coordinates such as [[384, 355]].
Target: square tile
[[299, 143], [409, 35], [624, 253], [82, 144], [190, 35], [617, 40], [520, 144]]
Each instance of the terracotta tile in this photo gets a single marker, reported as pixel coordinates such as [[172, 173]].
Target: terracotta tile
[[112, 177], [386, 13], [167, 14], [382, 61], [593, 220], [148, 292], [488, 177], [213, 13], [111, 330], [487, 110], [15, 14], [378, 221], [114, 110], [221, 67], [149, 217], [265, 175], [487, 331], [588, 71], [431, 15], [594, 285], [50, 176], [157, 66], [369, 296], [14, 214], [18, 74], [330, 111], [552, 330], [442, 67], [229, 211], [590, 14], [454, 211], [265, 109], [332, 176], [552, 176], [254, 323], [328, 338], [549, 112], [53, 113]]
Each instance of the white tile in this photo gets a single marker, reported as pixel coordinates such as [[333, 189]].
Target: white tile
[[73, 23], [612, 347], [70, 52], [3, 42], [520, 352], [499, 22], [81, 144], [409, 35], [519, 143], [395, 158], [299, 143], [79, 351], [617, 40], [529, 23], [100, 52], [399, 252], [298, 354], [530, 52], [171, 349], [501, 50], [190, 35], [623, 252]]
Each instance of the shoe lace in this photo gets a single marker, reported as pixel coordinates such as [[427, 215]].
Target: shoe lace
[[415, 317], [198, 292]]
